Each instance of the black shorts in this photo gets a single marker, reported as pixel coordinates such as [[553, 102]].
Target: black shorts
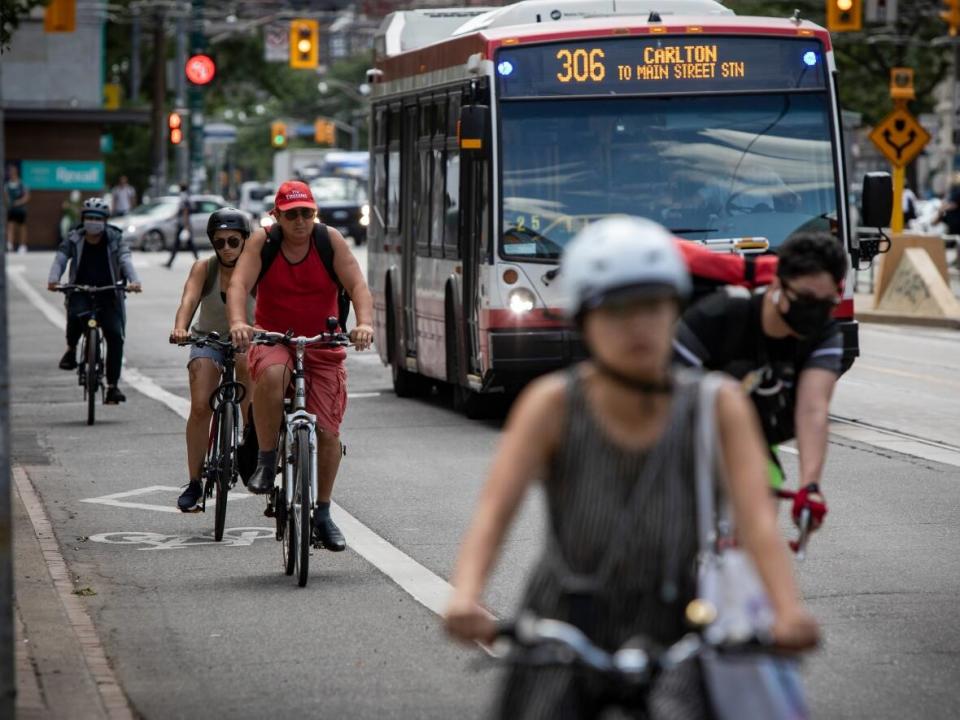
[[17, 215]]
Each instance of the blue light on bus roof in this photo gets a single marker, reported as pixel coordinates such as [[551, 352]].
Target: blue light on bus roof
[[809, 58], [505, 68]]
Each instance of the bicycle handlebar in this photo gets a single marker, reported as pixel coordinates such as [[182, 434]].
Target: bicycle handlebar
[[799, 546], [208, 339], [539, 641], [332, 339], [68, 287]]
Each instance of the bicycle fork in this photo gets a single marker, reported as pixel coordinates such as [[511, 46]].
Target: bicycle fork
[[295, 421]]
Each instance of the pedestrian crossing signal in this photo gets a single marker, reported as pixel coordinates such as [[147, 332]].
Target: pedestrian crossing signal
[[845, 15], [278, 134], [325, 132], [951, 16], [175, 123]]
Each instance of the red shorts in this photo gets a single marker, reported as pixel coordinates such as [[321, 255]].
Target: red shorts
[[326, 377]]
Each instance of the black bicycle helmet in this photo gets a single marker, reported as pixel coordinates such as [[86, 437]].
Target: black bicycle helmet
[[228, 218]]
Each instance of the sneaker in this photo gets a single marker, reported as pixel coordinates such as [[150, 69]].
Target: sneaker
[[114, 396], [189, 500], [69, 360], [261, 482], [326, 534]]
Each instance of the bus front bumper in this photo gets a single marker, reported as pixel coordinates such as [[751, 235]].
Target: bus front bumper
[[519, 355]]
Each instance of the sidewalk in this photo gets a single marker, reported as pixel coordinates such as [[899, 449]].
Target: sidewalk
[[62, 671]]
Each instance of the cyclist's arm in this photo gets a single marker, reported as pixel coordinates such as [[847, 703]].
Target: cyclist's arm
[[811, 420], [126, 262], [745, 464], [192, 290], [350, 274], [529, 439], [59, 263], [244, 278]]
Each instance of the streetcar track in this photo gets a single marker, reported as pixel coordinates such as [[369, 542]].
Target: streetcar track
[[899, 434]]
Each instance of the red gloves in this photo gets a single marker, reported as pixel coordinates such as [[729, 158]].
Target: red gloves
[[809, 497]]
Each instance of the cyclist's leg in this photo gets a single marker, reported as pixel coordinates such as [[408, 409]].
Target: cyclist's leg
[[204, 378], [243, 377], [77, 306], [270, 368], [327, 399], [111, 320]]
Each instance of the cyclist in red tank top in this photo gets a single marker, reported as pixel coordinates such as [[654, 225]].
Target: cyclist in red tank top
[[297, 293]]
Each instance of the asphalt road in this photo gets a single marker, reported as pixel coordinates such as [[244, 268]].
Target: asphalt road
[[196, 630]]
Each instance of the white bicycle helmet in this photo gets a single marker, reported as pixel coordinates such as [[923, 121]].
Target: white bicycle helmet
[[95, 206], [621, 254]]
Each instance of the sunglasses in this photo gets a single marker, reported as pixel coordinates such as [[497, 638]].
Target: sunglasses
[[233, 241], [305, 213], [796, 296]]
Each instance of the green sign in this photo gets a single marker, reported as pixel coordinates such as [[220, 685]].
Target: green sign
[[63, 174], [106, 143]]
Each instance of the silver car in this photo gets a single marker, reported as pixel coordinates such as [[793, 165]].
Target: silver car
[[153, 225]]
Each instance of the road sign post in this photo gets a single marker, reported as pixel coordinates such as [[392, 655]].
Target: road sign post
[[900, 138]]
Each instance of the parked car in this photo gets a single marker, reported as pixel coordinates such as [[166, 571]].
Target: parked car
[[153, 225], [342, 204], [254, 196]]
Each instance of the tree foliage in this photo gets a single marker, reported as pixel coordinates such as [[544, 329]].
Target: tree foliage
[[864, 58]]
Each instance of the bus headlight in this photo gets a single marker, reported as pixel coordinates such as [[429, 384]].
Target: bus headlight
[[266, 221], [364, 215], [521, 301]]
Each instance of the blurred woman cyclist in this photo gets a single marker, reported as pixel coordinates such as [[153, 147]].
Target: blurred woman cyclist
[[206, 288], [612, 441]]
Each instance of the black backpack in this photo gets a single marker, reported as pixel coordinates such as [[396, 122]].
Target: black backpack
[[321, 240]]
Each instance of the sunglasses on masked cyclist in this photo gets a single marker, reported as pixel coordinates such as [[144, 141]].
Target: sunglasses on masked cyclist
[[233, 241], [305, 213]]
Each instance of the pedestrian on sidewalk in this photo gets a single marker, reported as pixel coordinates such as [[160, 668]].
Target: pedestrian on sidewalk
[[16, 198], [183, 228], [123, 197]]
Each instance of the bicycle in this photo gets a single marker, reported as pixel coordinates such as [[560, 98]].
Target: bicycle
[[92, 351], [621, 680], [219, 470], [804, 525], [296, 495]]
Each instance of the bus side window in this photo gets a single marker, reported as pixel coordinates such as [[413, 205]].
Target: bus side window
[[437, 200], [379, 170], [451, 235], [393, 170], [421, 198]]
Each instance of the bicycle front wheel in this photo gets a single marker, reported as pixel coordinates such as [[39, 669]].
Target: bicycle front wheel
[[93, 349], [300, 512], [224, 467]]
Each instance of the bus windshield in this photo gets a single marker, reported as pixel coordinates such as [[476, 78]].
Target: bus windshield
[[706, 167]]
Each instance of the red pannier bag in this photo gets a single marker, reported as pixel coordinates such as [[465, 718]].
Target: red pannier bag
[[712, 270]]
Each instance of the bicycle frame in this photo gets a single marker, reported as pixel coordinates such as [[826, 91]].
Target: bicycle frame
[[296, 418]]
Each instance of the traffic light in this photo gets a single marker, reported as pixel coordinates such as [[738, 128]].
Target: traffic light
[[175, 123], [845, 15], [324, 132], [304, 44], [951, 16], [901, 84], [278, 134]]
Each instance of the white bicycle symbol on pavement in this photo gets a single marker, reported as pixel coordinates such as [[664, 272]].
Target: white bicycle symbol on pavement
[[232, 537]]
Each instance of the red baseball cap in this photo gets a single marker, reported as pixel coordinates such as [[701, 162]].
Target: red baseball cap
[[294, 194]]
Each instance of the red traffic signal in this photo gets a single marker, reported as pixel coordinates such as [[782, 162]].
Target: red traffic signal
[[200, 69]]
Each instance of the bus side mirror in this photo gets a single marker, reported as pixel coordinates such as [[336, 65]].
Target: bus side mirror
[[877, 200], [474, 128]]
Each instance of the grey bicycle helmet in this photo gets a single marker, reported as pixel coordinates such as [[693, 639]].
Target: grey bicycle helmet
[[228, 218], [95, 206], [621, 255]]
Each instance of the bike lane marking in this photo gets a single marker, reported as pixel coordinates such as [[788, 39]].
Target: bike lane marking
[[427, 588], [232, 537], [118, 499]]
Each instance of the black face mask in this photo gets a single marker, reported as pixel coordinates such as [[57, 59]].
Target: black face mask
[[806, 317]]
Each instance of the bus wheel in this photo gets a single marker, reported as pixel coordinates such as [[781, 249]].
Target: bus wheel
[[469, 402], [405, 383]]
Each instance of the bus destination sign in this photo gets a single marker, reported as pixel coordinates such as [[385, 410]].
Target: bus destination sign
[[662, 64]]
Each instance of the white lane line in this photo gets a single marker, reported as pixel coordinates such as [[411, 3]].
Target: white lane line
[[111, 695], [119, 499], [424, 586]]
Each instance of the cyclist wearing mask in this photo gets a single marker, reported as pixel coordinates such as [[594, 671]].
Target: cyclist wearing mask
[[613, 441], [297, 290], [205, 288], [784, 347], [99, 256]]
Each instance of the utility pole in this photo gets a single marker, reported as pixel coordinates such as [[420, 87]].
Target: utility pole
[[135, 34], [8, 676], [159, 102], [195, 94], [181, 152]]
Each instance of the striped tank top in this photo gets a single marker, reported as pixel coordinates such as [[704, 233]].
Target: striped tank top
[[620, 555]]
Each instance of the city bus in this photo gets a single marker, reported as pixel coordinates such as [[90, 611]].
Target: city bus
[[497, 134]]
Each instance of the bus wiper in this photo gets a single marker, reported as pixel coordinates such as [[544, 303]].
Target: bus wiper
[[681, 231]]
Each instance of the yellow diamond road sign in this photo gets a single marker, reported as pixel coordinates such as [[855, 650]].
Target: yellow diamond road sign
[[900, 137]]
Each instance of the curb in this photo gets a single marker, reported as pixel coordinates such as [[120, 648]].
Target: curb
[[885, 318]]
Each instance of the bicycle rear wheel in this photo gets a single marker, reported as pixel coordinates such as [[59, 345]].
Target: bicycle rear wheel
[[224, 467], [300, 512], [93, 349]]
